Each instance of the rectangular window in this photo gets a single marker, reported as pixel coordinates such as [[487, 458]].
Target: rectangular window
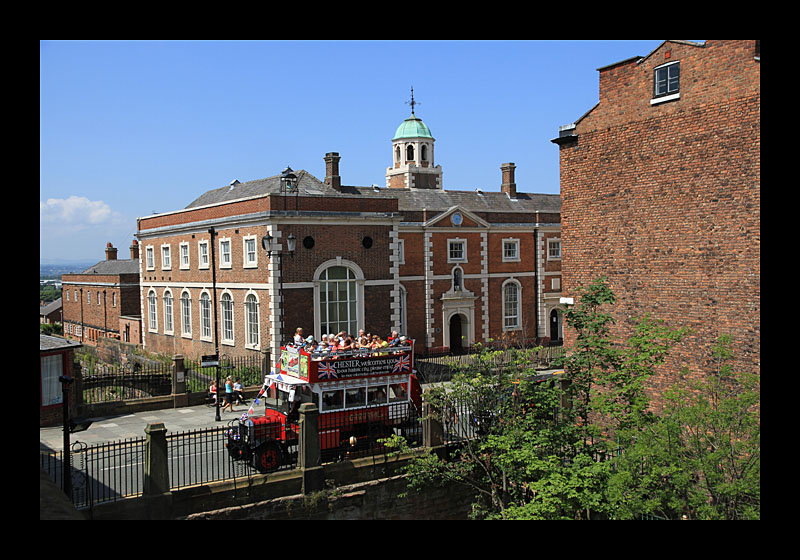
[[225, 253], [553, 249], [250, 252], [511, 250], [184, 255], [667, 79], [166, 262], [149, 254], [186, 314], [202, 249], [457, 250]]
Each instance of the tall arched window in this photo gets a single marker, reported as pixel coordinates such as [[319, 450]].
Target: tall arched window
[[338, 298], [168, 317], [226, 302], [410, 152], [205, 316], [423, 152], [151, 307], [251, 319], [397, 154], [186, 314], [511, 305]]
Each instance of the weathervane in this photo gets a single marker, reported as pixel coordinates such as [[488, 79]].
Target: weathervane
[[412, 102]]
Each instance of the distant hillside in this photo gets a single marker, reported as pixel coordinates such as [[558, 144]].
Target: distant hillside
[[55, 270]]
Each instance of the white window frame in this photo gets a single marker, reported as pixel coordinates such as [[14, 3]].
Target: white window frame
[[252, 329], [318, 284], [185, 262], [518, 313], [150, 259], [459, 241], [166, 257], [228, 324], [203, 243], [205, 302], [169, 311], [152, 311], [225, 256], [52, 366], [186, 314], [512, 242], [249, 263], [553, 240], [113, 299]]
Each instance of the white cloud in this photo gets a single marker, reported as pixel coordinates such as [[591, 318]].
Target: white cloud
[[75, 211]]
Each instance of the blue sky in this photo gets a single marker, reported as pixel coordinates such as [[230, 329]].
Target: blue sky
[[129, 128]]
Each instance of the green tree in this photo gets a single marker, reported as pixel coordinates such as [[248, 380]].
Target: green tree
[[701, 458]]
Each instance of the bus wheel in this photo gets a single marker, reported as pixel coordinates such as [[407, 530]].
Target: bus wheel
[[267, 457]]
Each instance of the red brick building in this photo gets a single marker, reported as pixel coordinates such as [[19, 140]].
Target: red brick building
[[95, 300], [445, 267], [661, 192]]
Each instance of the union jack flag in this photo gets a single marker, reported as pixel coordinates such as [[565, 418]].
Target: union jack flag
[[402, 364], [326, 371]]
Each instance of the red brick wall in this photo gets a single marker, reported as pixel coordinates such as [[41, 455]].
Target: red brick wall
[[665, 199]]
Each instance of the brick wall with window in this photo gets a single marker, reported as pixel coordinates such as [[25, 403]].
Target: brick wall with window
[[663, 198]]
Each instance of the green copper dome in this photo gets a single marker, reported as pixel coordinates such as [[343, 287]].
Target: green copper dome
[[412, 127]]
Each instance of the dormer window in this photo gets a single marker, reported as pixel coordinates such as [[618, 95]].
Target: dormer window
[[666, 82]]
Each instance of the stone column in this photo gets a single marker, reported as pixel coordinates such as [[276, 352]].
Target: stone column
[[308, 453], [156, 491]]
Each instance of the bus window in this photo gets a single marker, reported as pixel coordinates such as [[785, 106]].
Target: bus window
[[354, 397], [376, 395], [332, 400], [398, 392]]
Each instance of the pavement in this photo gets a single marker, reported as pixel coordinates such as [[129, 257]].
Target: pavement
[[116, 427]]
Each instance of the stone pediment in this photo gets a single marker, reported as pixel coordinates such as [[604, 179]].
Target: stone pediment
[[456, 216]]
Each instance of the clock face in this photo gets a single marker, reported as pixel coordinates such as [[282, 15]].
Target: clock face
[[456, 218]]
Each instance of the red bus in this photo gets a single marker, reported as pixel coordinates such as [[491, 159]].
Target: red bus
[[362, 396]]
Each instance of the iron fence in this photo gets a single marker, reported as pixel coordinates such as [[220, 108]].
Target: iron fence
[[250, 370], [99, 473], [119, 382], [436, 365]]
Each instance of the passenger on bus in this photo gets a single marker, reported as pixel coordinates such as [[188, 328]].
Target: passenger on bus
[[298, 336]]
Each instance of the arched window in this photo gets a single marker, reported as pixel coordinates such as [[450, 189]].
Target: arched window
[[226, 302], [423, 152], [186, 313], [251, 319], [338, 299], [410, 152], [397, 154], [168, 312], [151, 308], [205, 316], [511, 305]]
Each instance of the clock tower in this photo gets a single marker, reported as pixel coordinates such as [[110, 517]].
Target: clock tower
[[412, 156]]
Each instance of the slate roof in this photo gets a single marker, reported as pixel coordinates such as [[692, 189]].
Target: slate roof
[[48, 308], [114, 266], [408, 199], [47, 343]]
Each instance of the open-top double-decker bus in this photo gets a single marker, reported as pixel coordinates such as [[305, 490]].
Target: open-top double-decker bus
[[362, 395]]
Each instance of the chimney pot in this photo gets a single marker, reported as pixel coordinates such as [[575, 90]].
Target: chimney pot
[[134, 250], [111, 252]]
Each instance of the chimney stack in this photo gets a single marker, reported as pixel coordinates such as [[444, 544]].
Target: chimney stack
[[332, 178], [509, 186], [111, 252], [135, 250]]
